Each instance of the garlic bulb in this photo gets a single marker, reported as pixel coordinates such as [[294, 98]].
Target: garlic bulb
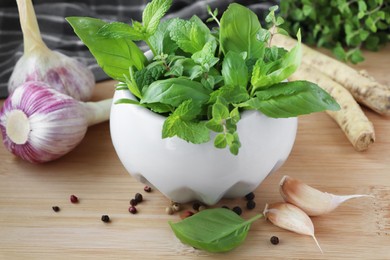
[[39, 63], [290, 217], [309, 199], [40, 124]]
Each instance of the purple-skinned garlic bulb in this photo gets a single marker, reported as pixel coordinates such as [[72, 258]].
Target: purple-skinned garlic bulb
[[39, 124], [39, 63]]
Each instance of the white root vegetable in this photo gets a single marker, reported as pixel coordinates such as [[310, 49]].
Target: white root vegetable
[[39, 63], [39, 124], [364, 88], [351, 119]]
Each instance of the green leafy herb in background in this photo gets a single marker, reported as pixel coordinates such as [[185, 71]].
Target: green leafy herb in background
[[202, 79], [344, 26], [213, 230]]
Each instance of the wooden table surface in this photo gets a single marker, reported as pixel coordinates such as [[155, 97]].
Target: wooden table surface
[[321, 157]]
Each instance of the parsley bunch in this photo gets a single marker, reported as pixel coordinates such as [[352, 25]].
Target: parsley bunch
[[202, 79], [344, 26]]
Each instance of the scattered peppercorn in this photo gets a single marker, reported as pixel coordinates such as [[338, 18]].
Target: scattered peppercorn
[[274, 240], [138, 197], [251, 204], [132, 209], [225, 207], [175, 207], [147, 189], [105, 218], [74, 199], [56, 208], [133, 202], [250, 196], [186, 214], [202, 207], [169, 210], [196, 206], [237, 210]]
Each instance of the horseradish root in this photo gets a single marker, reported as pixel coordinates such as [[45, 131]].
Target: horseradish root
[[351, 119], [290, 217], [39, 124], [363, 88], [312, 201], [39, 63]]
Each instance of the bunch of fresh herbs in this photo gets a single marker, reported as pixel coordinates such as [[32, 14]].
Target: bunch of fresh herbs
[[202, 79], [345, 26]]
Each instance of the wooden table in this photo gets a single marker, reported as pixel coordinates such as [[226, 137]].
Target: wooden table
[[321, 157]]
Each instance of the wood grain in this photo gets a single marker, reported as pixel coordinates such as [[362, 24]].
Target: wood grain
[[322, 157]]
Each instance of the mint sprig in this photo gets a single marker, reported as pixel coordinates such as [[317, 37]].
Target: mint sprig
[[202, 80]]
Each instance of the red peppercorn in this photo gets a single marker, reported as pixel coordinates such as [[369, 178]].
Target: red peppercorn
[[74, 199], [186, 214], [132, 209], [147, 189]]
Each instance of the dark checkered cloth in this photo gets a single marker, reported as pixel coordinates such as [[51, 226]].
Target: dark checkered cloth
[[58, 35]]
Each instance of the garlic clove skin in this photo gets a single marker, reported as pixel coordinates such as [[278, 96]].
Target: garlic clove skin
[[64, 74], [312, 201], [48, 124], [290, 217]]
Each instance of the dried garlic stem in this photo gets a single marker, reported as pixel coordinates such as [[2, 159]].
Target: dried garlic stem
[[364, 88], [351, 119]]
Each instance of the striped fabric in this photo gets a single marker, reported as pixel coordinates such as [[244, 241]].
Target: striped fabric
[[58, 35]]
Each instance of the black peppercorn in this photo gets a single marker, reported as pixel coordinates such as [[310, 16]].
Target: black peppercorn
[[133, 202], [147, 189], [251, 204], [56, 208], [132, 210], [105, 218], [274, 240], [138, 197], [196, 206], [250, 196], [237, 210]]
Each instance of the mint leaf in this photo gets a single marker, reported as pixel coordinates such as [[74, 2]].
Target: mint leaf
[[190, 35], [174, 91], [290, 99], [180, 123], [161, 41], [117, 30], [232, 94], [234, 70], [114, 56], [153, 13], [148, 75], [238, 31], [206, 56]]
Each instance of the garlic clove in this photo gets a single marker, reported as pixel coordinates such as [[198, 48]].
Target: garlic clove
[[39, 63], [312, 201], [290, 217]]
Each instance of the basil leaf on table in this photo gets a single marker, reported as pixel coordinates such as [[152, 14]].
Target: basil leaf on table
[[238, 30], [213, 230], [114, 56], [290, 99], [174, 91]]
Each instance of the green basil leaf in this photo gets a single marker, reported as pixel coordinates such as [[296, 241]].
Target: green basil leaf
[[290, 99], [180, 123], [114, 56], [234, 70], [153, 13], [174, 91], [190, 35], [238, 31], [213, 230], [126, 101]]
